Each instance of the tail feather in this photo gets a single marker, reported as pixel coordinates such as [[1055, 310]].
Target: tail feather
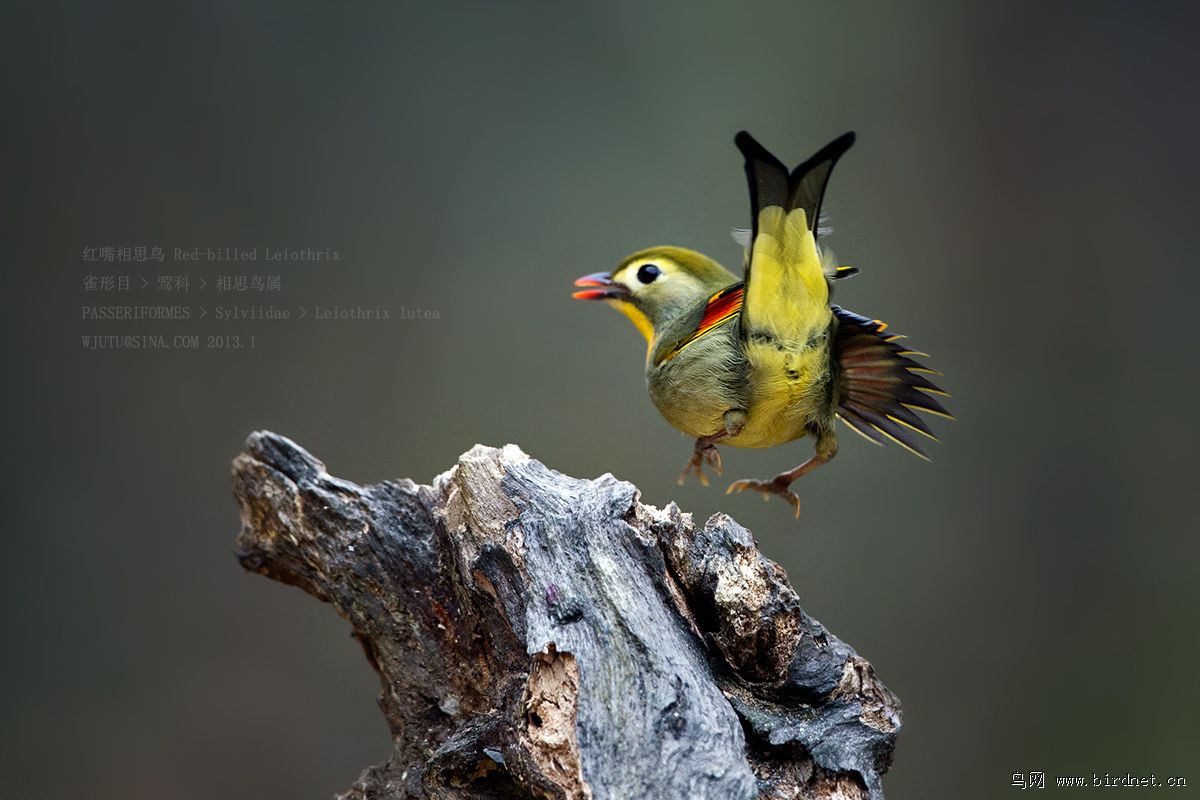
[[804, 187], [766, 175], [786, 277]]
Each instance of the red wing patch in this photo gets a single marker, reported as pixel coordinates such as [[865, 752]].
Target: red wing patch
[[722, 307]]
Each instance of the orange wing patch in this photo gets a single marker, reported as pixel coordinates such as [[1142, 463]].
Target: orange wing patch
[[722, 307]]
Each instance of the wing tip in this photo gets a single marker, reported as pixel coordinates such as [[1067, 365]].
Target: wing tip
[[932, 411], [882, 393], [858, 427], [911, 447]]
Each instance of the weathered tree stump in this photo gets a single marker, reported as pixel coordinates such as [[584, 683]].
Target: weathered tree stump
[[538, 635]]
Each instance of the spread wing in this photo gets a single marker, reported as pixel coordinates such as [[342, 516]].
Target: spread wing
[[786, 299], [880, 384]]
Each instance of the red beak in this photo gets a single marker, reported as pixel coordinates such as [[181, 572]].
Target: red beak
[[601, 287]]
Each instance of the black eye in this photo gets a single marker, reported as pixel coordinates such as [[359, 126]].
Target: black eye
[[648, 272]]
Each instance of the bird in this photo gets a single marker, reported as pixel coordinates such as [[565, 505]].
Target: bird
[[766, 359]]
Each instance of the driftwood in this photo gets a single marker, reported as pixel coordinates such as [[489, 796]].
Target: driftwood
[[541, 636]]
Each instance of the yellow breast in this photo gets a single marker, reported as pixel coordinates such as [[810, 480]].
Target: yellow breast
[[788, 390]]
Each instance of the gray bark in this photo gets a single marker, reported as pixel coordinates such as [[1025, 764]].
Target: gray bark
[[542, 636]]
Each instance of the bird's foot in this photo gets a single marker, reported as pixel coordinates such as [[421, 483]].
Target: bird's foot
[[705, 453], [778, 485]]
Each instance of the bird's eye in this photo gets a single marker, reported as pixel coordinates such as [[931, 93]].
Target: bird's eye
[[648, 272]]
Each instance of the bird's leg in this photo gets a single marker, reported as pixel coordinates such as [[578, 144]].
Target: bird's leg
[[705, 451], [826, 449]]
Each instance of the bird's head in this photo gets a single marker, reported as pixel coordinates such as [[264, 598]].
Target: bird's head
[[652, 287]]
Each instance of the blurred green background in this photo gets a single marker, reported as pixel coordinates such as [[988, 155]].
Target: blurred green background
[[1021, 203]]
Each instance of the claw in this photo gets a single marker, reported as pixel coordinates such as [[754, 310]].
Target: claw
[[707, 454], [767, 488], [713, 456], [693, 466]]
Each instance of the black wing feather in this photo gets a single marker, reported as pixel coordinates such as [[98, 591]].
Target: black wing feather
[[880, 384]]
